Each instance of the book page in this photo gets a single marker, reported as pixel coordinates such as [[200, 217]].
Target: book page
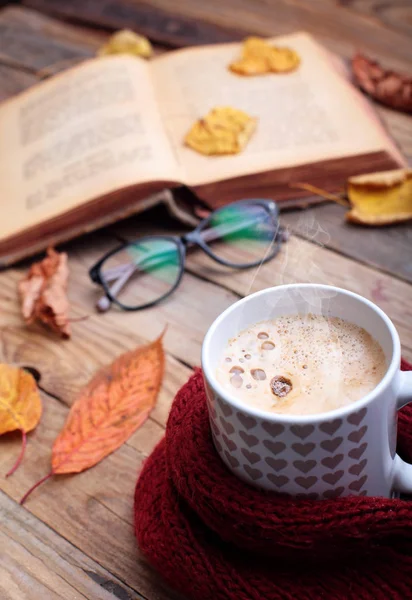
[[305, 116], [78, 136]]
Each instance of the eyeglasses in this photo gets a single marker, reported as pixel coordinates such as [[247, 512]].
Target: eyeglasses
[[142, 273]]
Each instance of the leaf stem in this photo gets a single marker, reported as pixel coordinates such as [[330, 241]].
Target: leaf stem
[[20, 457], [36, 485], [322, 193]]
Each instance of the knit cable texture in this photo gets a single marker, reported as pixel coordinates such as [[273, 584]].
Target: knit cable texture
[[213, 537]]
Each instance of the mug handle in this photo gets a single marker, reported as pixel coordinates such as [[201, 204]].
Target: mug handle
[[403, 470]]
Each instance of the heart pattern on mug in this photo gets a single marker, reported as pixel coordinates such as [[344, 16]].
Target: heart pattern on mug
[[332, 461], [246, 421], [357, 452], [306, 482], [330, 427], [218, 445], [356, 436], [357, 469], [333, 478], [225, 408], [302, 431], [212, 411], [278, 480], [358, 484], [250, 440], [273, 429], [215, 427], [334, 493], [237, 434], [232, 460], [227, 426], [274, 447], [357, 417], [304, 466], [229, 443], [252, 457], [331, 445], [254, 474], [277, 464], [303, 449]]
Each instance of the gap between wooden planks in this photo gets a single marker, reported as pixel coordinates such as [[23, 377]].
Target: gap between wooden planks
[[41, 565]]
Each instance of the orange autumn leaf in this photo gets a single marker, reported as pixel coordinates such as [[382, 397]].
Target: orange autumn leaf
[[43, 293], [115, 403], [20, 404]]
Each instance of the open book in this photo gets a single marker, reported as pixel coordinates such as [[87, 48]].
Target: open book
[[87, 146]]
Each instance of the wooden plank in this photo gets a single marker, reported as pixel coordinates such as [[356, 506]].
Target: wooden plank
[[37, 563], [13, 81], [393, 14], [342, 30], [92, 510], [33, 41], [387, 248], [160, 25]]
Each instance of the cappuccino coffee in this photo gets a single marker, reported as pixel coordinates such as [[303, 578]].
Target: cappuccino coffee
[[301, 364]]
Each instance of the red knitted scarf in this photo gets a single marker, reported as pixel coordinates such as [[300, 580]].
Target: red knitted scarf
[[213, 537]]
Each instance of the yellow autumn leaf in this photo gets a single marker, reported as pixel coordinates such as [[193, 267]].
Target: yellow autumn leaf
[[20, 404], [224, 130], [126, 41], [258, 57], [380, 198]]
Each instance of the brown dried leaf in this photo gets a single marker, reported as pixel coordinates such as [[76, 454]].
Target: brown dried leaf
[[380, 198], [224, 130], [390, 88], [127, 41], [258, 58], [43, 293]]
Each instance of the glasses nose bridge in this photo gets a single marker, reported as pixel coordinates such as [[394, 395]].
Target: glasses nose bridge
[[190, 238]]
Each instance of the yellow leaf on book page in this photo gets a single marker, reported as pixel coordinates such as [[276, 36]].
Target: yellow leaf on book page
[[258, 57], [380, 198], [224, 130]]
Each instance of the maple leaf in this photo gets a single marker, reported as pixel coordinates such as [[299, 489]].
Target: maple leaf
[[43, 293], [20, 404], [115, 403]]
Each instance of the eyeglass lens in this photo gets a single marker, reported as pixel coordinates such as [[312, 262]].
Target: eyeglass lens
[[142, 272], [240, 233]]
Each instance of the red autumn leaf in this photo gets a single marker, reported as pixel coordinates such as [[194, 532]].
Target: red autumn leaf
[[388, 87], [43, 293], [115, 403]]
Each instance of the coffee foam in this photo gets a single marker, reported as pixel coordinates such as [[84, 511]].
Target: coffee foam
[[326, 363]]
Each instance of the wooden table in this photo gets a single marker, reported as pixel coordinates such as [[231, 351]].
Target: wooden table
[[74, 539]]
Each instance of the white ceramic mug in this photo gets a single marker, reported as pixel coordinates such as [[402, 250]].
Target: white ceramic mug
[[343, 452]]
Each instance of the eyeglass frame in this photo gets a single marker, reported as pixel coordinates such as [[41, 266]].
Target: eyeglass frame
[[193, 238]]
